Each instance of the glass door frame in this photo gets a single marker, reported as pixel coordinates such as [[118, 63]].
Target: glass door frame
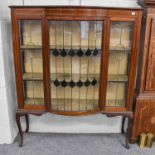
[[102, 68], [18, 62], [132, 64]]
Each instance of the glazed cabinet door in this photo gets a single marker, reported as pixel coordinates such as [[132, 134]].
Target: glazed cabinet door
[[32, 61], [75, 64], [29, 63], [120, 50]]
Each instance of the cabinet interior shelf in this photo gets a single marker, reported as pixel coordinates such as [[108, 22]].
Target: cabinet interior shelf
[[39, 77], [67, 101], [31, 47], [115, 102], [126, 50], [36, 101], [111, 50]]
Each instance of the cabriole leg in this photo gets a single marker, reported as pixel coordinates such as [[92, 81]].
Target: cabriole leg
[[20, 135], [127, 135], [125, 114], [130, 121], [122, 129], [26, 114], [27, 123]]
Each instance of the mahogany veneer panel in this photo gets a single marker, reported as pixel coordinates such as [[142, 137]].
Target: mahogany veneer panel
[[144, 119]]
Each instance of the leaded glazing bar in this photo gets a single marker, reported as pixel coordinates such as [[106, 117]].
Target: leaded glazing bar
[[75, 57]]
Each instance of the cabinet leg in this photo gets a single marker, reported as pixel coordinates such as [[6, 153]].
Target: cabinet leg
[[27, 123], [26, 114], [125, 114], [20, 135], [122, 129], [130, 121], [127, 136]]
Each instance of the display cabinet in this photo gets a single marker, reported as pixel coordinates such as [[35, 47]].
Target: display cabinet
[[75, 60]]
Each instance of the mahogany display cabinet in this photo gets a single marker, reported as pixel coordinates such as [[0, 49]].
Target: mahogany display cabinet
[[144, 120], [75, 60]]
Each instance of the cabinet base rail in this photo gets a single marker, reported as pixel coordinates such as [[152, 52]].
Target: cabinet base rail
[[125, 114]]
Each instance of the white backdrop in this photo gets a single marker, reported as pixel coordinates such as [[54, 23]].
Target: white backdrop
[[47, 122]]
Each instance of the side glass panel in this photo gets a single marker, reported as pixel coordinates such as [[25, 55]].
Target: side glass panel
[[75, 57], [119, 62], [31, 59]]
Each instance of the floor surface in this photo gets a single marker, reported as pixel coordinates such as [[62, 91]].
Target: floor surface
[[73, 144]]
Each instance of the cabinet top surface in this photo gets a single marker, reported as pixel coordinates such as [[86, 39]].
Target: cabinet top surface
[[72, 7]]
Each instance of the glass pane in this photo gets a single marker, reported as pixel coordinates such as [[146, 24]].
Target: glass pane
[[119, 60], [32, 65], [75, 57]]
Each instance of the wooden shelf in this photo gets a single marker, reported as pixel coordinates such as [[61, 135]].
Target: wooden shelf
[[76, 48], [33, 77], [117, 78], [113, 50], [67, 104], [35, 101], [82, 98], [68, 76], [39, 77], [60, 47], [74, 103], [115, 103], [31, 47]]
